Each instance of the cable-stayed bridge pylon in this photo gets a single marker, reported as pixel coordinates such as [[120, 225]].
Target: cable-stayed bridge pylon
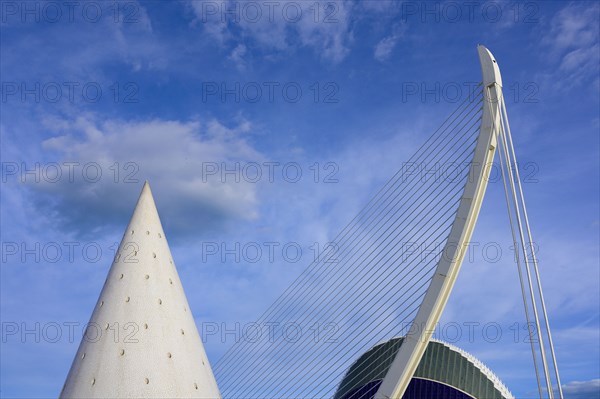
[[372, 284]]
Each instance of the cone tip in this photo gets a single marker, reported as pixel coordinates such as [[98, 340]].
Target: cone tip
[[146, 188], [145, 194]]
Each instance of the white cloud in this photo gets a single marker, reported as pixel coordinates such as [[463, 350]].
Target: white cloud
[[80, 50], [328, 33], [287, 25], [237, 57], [172, 155], [582, 389], [574, 26], [380, 6], [384, 48], [572, 42], [211, 23], [581, 61]]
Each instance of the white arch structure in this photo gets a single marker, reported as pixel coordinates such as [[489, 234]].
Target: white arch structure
[[493, 128]]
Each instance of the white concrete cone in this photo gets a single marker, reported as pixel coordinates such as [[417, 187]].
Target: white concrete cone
[[142, 341]]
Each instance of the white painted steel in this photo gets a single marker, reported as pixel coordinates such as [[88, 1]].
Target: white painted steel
[[142, 341], [411, 351], [522, 223]]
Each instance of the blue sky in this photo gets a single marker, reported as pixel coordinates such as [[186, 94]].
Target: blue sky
[[176, 92]]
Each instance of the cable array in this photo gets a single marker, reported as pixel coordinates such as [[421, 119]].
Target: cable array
[[368, 286], [526, 260]]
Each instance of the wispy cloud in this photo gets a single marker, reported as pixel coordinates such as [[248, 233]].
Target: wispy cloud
[[574, 26], [82, 49], [582, 389], [283, 26], [572, 43], [384, 48], [237, 57]]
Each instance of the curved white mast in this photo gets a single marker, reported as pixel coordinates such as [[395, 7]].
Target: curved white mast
[[412, 349], [494, 129]]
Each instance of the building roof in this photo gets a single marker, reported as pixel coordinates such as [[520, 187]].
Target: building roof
[[442, 362]]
